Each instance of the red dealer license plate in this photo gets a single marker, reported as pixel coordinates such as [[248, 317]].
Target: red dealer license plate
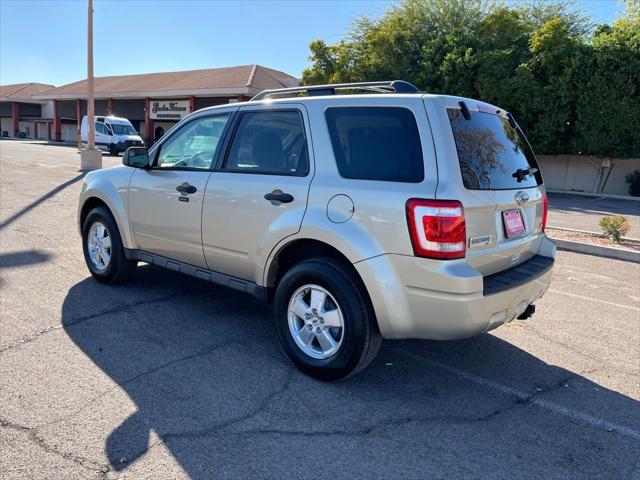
[[513, 224]]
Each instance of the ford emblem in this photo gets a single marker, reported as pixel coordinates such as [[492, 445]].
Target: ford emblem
[[521, 198]]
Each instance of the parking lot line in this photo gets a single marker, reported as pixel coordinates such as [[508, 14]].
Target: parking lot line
[[605, 302], [523, 396]]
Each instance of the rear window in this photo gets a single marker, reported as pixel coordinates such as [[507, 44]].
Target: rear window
[[493, 155], [376, 143]]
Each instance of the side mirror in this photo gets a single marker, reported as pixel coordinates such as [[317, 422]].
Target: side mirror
[[136, 157]]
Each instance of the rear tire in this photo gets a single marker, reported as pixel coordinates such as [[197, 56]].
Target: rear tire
[[345, 316], [103, 249]]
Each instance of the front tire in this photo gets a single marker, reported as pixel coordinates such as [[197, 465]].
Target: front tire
[[325, 320], [103, 249]]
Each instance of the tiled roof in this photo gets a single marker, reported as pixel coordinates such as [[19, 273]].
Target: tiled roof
[[22, 91], [245, 79]]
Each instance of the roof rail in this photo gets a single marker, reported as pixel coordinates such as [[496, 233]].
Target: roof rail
[[389, 86]]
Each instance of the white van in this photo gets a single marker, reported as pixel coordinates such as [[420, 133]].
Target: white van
[[113, 134]]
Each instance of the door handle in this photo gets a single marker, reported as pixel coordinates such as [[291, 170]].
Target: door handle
[[186, 188], [279, 196]]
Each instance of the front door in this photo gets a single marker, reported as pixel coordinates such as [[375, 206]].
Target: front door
[[159, 132], [165, 201]]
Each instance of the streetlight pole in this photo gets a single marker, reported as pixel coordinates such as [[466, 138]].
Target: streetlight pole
[[91, 140], [91, 158]]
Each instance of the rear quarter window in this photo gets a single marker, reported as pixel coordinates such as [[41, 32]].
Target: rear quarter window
[[376, 143], [493, 154]]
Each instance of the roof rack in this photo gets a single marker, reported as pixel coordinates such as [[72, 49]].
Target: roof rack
[[390, 86]]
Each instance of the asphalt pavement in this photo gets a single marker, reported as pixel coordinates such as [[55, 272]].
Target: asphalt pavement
[[583, 212], [170, 377]]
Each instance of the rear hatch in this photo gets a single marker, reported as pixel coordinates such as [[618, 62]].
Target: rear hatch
[[485, 162]]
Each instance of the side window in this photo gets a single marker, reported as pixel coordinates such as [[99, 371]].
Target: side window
[[269, 143], [376, 143], [100, 128], [194, 145]]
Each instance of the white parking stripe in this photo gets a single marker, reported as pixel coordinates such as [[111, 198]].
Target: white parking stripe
[[524, 396], [605, 302]]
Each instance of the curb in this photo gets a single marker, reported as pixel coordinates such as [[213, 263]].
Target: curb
[[595, 195], [598, 250], [586, 232]]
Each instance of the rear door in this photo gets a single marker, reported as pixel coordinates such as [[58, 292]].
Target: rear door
[[258, 194], [485, 161]]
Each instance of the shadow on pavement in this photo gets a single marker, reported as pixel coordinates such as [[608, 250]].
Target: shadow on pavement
[[53, 144], [26, 257], [41, 199], [205, 371]]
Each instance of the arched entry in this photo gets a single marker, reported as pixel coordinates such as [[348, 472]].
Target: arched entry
[[159, 132]]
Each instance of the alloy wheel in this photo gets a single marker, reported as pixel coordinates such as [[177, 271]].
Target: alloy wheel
[[316, 322], [99, 246]]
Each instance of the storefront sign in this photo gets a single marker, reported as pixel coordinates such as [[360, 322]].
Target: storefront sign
[[169, 109]]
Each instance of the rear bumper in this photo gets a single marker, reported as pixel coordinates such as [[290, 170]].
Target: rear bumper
[[446, 300]]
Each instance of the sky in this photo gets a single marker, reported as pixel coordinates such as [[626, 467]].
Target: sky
[[45, 41]]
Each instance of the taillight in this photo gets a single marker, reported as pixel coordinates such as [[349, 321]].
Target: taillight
[[437, 228], [545, 209]]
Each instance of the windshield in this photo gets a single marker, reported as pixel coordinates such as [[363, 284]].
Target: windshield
[[122, 129], [493, 154]]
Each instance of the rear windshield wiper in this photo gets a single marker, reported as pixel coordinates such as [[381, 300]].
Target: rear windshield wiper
[[521, 174]]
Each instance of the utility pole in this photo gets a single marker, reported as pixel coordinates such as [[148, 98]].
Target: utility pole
[[91, 158]]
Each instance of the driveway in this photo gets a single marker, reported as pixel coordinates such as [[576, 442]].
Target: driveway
[[169, 377], [582, 212]]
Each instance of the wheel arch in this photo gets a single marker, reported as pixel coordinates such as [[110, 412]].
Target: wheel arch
[[302, 249], [295, 251], [94, 199], [89, 204]]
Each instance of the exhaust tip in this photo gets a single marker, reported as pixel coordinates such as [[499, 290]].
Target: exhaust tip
[[528, 312]]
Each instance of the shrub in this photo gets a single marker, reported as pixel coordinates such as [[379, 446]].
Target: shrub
[[614, 227], [633, 179]]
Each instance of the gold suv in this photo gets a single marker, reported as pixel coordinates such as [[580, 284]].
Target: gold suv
[[388, 213]]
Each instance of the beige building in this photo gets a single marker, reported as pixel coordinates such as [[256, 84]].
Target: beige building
[[153, 102], [20, 112]]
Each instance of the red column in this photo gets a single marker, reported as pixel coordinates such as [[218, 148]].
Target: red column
[[192, 104], [78, 113], [35, 130], [78, 120], [15, 116], [148, 123], [57, 124], [109, 107], [48, 130]]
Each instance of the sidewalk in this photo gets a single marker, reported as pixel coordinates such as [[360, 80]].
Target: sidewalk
[[581, 212]]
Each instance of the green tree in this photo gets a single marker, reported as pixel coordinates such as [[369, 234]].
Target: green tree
[[543, 95], [571, 87], [429, 43], [608, 84]]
